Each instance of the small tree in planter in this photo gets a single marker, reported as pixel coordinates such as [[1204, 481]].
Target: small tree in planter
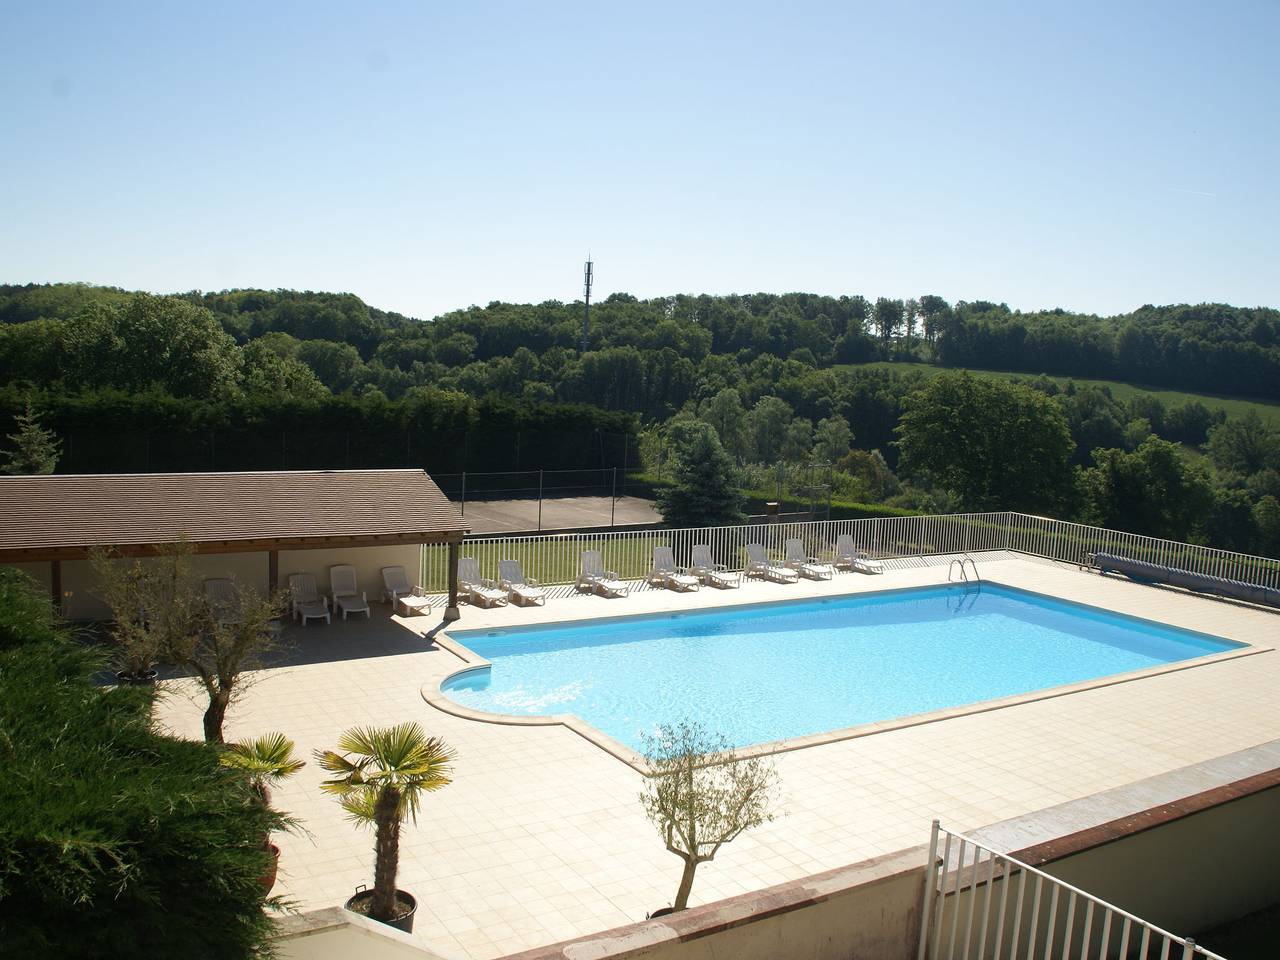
[[701, 795], [265, 762], [379, 778], [160, 611]]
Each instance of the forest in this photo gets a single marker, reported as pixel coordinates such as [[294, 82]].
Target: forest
[[270, 379]]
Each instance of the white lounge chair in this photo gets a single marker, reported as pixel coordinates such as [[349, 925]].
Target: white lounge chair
[[221, 594], [305, 601], [849, 557], [593, 577], [805, 565], [710, 572], [347, 595], [523, 590], [759, 565], [666, 573], [401, 594], [479, 590]]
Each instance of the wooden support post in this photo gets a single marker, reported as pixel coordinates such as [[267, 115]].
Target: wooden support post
[[273, 570], [55, 585], [451, 611]]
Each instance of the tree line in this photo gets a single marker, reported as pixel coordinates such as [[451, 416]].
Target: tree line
[[255, 379]]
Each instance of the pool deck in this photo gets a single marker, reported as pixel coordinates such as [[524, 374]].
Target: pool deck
[[541, 837]]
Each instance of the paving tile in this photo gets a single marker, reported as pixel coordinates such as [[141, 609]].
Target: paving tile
[[540, 837]]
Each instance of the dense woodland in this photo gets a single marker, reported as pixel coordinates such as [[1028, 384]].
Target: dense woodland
[[254, 379]]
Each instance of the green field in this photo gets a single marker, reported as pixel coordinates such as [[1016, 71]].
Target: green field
[[1234, 406]]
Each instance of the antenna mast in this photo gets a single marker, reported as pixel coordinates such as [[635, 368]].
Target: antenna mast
[[587, 276]]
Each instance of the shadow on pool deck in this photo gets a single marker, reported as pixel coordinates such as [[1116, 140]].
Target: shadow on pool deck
[[380, 635]]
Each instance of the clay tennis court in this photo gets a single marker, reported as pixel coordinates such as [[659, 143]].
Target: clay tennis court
[[561, 513]]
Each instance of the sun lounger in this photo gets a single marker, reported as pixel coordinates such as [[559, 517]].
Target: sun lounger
[[805, 565], [759, 565], [401, 594], [523, 590], [479, 590], [666, 573], [347, 596], [594, 578], [849, 557], [221, 594], [710, 572], [305, 601]]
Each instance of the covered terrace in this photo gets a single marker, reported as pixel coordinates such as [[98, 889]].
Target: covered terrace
[[257, 527]]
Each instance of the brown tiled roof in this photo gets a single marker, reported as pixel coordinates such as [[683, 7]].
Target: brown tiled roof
[[64, 515]]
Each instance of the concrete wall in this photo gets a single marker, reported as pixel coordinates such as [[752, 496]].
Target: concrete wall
[[337, 934], [867, 911], [368, 562], [1185, 875], [80, 601], [1190, 874]]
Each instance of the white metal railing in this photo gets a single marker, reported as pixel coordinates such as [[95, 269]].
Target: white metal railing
[[553, 558], [1072, 542], [981, 903]]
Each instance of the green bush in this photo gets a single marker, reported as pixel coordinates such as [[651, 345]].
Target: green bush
[[114, 841]]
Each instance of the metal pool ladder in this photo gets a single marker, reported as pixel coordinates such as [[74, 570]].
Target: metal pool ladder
[[959, 565]]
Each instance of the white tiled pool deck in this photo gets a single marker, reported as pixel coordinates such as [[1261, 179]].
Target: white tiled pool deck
[[540, 837]]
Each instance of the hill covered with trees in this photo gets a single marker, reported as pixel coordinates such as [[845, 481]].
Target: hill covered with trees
[[257, 379]]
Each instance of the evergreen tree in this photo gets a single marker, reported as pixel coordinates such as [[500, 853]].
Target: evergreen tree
[[116, 841], [707, 490], [35, 450]]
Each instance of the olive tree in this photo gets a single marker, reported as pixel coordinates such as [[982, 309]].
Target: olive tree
[[701, 795], [160, 611]]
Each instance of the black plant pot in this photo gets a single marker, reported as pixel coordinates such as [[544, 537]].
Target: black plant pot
[[359, 903], [661, 912], [141, 677]]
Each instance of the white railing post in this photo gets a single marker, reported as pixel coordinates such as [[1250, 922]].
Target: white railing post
[[926, 899]]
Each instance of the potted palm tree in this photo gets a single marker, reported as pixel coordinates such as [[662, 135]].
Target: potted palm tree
[[379, 778], [265, 762]]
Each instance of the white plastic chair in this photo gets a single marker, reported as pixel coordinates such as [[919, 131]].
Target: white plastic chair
[[805, 565], [759, 565], [666, 573], [481, 591], [221, 594], [305, 601], [710, 572], [347, 595], [402, 594], [593, 577], [520, 588]]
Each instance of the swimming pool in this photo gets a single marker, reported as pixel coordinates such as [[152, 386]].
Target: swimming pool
[[763, 672]]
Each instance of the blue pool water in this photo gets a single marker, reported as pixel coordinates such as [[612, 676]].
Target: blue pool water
[[777, 670]]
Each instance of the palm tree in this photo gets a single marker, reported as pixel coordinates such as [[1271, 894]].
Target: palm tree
[[265, 761], [380, 776]]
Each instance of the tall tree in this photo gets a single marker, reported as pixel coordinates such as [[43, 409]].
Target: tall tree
[[1245, 444], [888, 317], [1153, 491], [910, 314], [33, 450], [832, 438], [994, 445], [767, 424], [726, 414], [707, 491]]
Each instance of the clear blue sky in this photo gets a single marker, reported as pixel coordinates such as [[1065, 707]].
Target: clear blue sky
[[426, 156]]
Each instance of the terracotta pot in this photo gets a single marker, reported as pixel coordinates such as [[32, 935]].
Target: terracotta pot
[[359, 903], [268, 879]]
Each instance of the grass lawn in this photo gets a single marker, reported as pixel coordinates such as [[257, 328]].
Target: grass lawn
[[1234, 406]]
